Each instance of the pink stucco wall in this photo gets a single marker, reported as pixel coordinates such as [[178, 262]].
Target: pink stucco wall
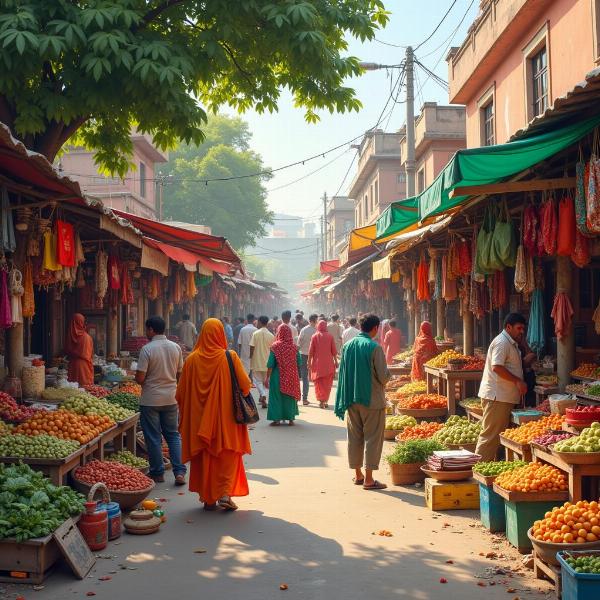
[[571, 47]]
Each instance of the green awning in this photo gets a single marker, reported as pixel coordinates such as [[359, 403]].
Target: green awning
[[480, 166]]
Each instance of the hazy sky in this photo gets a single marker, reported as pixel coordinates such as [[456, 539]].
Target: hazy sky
[[285, 137]]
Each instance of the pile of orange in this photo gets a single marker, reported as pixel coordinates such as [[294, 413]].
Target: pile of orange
[[525, 433], [535, 477], [422, 431], [66, 425], [130, 387], [423, 401], [570, 524]]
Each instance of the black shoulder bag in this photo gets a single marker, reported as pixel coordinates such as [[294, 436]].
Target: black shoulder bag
[[245, 411]]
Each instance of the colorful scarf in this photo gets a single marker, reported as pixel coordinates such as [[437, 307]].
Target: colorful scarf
[[286, 354], [423, 349]]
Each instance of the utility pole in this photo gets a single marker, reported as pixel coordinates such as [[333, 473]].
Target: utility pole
[[324, 231], [410, 124]]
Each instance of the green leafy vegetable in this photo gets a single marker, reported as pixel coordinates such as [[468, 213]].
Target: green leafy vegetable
[[414, 451]]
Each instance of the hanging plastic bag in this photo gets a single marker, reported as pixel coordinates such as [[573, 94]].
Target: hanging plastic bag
[[484, 243], [566, 227], [504, 244], [581, 253]]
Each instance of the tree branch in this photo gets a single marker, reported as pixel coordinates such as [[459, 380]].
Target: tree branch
[[56, 135], [155, 12], [247, 76]]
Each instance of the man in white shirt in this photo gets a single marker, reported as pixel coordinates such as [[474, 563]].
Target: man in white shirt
[[336, 330], [351, 332], [260, 347], [286, 317], [304, 346], [158, 370], [244, 342], [502, 384]]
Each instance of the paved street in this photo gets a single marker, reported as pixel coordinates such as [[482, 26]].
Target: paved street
[[304, 525]]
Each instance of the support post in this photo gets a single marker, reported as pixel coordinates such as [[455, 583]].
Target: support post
[[440, 316], [113, 331], [15, 350], [467, 330], [410, 124], [565, 347]]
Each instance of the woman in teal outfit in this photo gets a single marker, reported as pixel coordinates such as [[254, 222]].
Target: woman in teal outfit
[[283, 378]]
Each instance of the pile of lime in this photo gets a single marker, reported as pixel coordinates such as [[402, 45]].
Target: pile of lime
[[125, 457], [460, 433], [36, 446], [585, 564], [89, 405], [495, 467], [587, 441], [400, 422]]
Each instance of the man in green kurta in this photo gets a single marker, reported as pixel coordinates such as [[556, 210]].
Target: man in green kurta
[[361, 393]]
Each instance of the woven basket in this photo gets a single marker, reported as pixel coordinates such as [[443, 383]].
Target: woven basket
[[126, 500]]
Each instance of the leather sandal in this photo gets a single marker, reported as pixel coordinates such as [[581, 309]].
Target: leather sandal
[[376, 485]]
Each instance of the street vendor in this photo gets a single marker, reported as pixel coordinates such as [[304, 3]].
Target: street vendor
[[79, 348], [502, 384]]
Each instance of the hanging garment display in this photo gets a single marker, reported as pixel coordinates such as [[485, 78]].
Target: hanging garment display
[[15, 286], [5, 314], [485, 239], [50, 263], [190, 285], [530, 230], [562, 313], [530, 283], [422, 280], [79, 255], [28, 301], [580, 201], [596, 318], [65, 244], [503, 251], [126, 287], [114, 273], [566, 226], [465, 260], [581, 253], [7, 230], [499, 292], [438, 285], [592, 188], [101, 275], [536, 335], [449, 291]]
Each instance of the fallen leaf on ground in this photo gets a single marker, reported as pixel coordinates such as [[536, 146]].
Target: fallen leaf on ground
[[511, 591], [91, 594], [189, 520], [443, 580], [481, 584], [200, 550], [105, 578], [449, 562], [181, 493], [283, 587], [37, 588]]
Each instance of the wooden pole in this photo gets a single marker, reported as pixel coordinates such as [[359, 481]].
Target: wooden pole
[[15, 350], [467, 331], [440, 316], [113, 331], [565, 347]]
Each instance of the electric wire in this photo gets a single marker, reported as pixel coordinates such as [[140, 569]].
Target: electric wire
[[437, 26]]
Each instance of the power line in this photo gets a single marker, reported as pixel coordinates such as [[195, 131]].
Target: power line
[[437, 26], [389, 44]]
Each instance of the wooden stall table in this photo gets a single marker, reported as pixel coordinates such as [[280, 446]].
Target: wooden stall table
[[576, 472], [55, 469], [515, 451], [542, 391], [397, 370], [127, 440], [435, 385], [94, 450], [474, 417], [450, 378]]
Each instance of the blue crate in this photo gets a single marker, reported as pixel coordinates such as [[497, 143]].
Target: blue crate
[[578, 586], [491, 507]]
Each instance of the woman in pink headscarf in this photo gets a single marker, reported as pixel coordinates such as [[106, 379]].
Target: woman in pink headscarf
[[322, 363]]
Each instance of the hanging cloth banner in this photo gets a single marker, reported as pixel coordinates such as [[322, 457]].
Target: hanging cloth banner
[[155, 260], [382, 269]]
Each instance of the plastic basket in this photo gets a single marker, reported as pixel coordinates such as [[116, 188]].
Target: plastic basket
[[578, 586]]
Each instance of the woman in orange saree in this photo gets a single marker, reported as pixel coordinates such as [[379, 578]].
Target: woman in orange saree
[[79, 347], [212, 441]]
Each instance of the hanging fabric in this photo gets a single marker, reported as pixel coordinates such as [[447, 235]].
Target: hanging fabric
[[114, 273], [484, 242], [465, 260], [79, 254], [499, 293], [438, 286], [530, 229], [65, 244], [562, 313], [536, 335], [581, 171], [7, 231], [449, 291], [15, 286], [581, 253], [101, 275], [28, 304], [592, 187], [422, 280], [503, 252], [566, 226], [50, 263], [596, 318], [190, 285], [5, 314]]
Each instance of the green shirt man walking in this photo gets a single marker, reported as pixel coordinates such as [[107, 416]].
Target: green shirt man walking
[[361, 393]]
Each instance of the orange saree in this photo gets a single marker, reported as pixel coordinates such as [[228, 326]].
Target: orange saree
[[212, 441]]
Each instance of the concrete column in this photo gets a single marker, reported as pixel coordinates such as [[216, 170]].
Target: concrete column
[[112, 346], [440, 316], [467, 330], [159, 307], [14, 339], [565, 348]]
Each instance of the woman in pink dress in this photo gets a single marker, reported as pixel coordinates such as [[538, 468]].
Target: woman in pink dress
[[322, 363]]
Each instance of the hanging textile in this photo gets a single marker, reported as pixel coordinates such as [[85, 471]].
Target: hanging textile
[[5, 314], [114, 273], [7, 231], [422, 280], [581, 174], [79, 255], [499, 292], [28, 304], [101, 286], [562, 313], [592, 187], [536, 335], [465, 260], [50, 263], [15, 286], [190, 285], [449, 291], [126, 287], [581, 252], [438, 286], [530, 230], [530, 283], [503, 251], [65, 244], [453, 264], [596, 318]]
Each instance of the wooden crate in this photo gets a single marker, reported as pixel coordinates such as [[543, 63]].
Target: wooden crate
[[520, 516], [55, 469], [491, 507], [454, 495], [543, 570], [515, 451], [28, 562]]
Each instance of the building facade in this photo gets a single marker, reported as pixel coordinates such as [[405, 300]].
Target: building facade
[[518, 58], [439, 133], [340, 222], [137, 193]]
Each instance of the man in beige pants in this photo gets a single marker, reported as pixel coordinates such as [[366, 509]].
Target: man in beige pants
[[361, 393], [502, 384]]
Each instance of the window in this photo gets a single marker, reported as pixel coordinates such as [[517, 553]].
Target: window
[[142, 180], [487, 124], [377, 192], [372, 197], [539, 81], [401, 178], [421, 180], [366, 206]]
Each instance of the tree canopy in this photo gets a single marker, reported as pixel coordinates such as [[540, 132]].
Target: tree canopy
[[236, 209], [88, 71]]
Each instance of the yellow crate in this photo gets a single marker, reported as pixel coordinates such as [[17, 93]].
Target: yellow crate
[[452, 495]]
